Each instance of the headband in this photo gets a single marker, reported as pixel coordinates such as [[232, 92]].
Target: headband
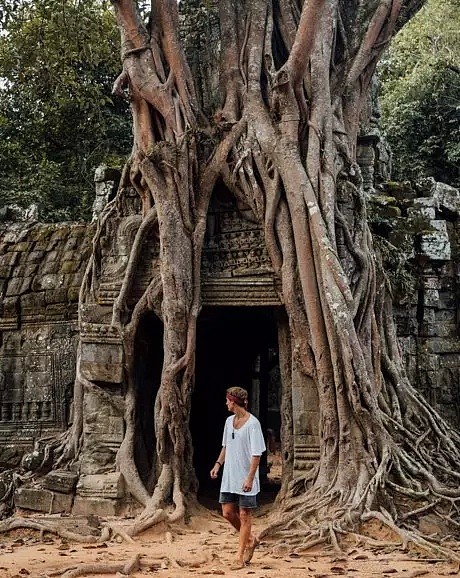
[[238, 400]]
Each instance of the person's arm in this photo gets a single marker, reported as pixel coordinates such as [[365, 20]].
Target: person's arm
[[219, 463], [247, 484]]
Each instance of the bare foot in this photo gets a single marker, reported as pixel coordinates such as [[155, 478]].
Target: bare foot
[[249, 552], [238, 565]]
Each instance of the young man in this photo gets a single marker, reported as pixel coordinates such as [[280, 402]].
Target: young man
[[242, 446]]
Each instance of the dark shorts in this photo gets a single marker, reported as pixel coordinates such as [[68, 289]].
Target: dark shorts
[[242, 500]]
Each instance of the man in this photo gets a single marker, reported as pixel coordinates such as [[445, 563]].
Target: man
[[242, 446]]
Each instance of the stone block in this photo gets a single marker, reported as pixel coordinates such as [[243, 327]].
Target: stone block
[[107, 486], [56, 296], [447, 199], [35, 256], [422, 208], [84, 506], [14, 286], [22, 246], [431, 298], [60, 234], [68, 267], [436, 245], [48, 281], [443, 345], [73, 294], [49, 267], [61, 481], [41, 500], [104, 173], [102, 362], [9, 259]]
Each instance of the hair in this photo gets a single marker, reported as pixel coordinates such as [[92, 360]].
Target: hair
[[240, 393]]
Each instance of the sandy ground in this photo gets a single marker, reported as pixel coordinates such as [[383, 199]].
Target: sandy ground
[[206, 546]]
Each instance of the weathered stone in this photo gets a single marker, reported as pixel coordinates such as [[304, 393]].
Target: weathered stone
[[106, 486], [442, 345], [56, 296], [41, 500], [102, 361], [436, 245], [447, 199], [84, 506], [431, 298], [61, 481]]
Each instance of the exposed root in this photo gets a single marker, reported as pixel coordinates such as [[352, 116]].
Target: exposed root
[[408, 536], [126, 569], [42, 527]]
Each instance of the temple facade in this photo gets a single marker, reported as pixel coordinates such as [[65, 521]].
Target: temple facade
[[41, 271]]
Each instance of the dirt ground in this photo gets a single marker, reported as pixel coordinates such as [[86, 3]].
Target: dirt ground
[[206, 546]]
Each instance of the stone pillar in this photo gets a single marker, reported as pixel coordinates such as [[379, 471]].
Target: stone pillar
[[305, 417]]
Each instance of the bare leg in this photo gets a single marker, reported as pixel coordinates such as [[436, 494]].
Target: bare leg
[[230, 513], [245, 516]]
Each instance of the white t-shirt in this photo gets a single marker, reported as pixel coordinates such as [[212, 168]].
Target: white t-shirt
[[246, 442]]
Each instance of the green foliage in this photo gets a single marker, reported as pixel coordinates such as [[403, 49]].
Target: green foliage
[[58, 121], [421, 94]]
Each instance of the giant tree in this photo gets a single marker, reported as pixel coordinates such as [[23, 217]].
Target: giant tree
[[293, 78]]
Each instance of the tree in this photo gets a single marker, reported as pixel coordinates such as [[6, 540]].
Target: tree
[[58, 120], [421, 95], [294, 79]]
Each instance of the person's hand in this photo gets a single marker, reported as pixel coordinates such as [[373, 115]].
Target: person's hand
[[247, 485], [215, 471]]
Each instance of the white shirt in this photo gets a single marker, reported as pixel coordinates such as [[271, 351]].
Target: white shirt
[[240, 445]]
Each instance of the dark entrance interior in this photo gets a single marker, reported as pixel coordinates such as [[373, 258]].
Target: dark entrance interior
[[147, 377], [235, 346]]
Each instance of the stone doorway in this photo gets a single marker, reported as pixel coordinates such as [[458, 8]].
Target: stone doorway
[[235, 346]]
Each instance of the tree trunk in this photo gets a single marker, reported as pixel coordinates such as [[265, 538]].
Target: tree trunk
[[294, 78]]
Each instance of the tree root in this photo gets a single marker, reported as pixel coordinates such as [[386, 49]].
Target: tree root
[[42, 527], [410, 536], [125, 569], [133, 565]]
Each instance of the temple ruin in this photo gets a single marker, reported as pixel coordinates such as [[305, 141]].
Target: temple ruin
[[41, 271]]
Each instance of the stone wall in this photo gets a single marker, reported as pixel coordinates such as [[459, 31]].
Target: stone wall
[[427, 314], [41, 270]]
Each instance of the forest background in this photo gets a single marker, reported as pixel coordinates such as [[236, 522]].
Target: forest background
[[59, 120]]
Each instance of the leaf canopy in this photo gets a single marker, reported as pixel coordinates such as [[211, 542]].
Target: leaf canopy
[[58, 119]]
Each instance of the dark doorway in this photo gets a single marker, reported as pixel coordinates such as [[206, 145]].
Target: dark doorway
[[148, 364], [235, 346]]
